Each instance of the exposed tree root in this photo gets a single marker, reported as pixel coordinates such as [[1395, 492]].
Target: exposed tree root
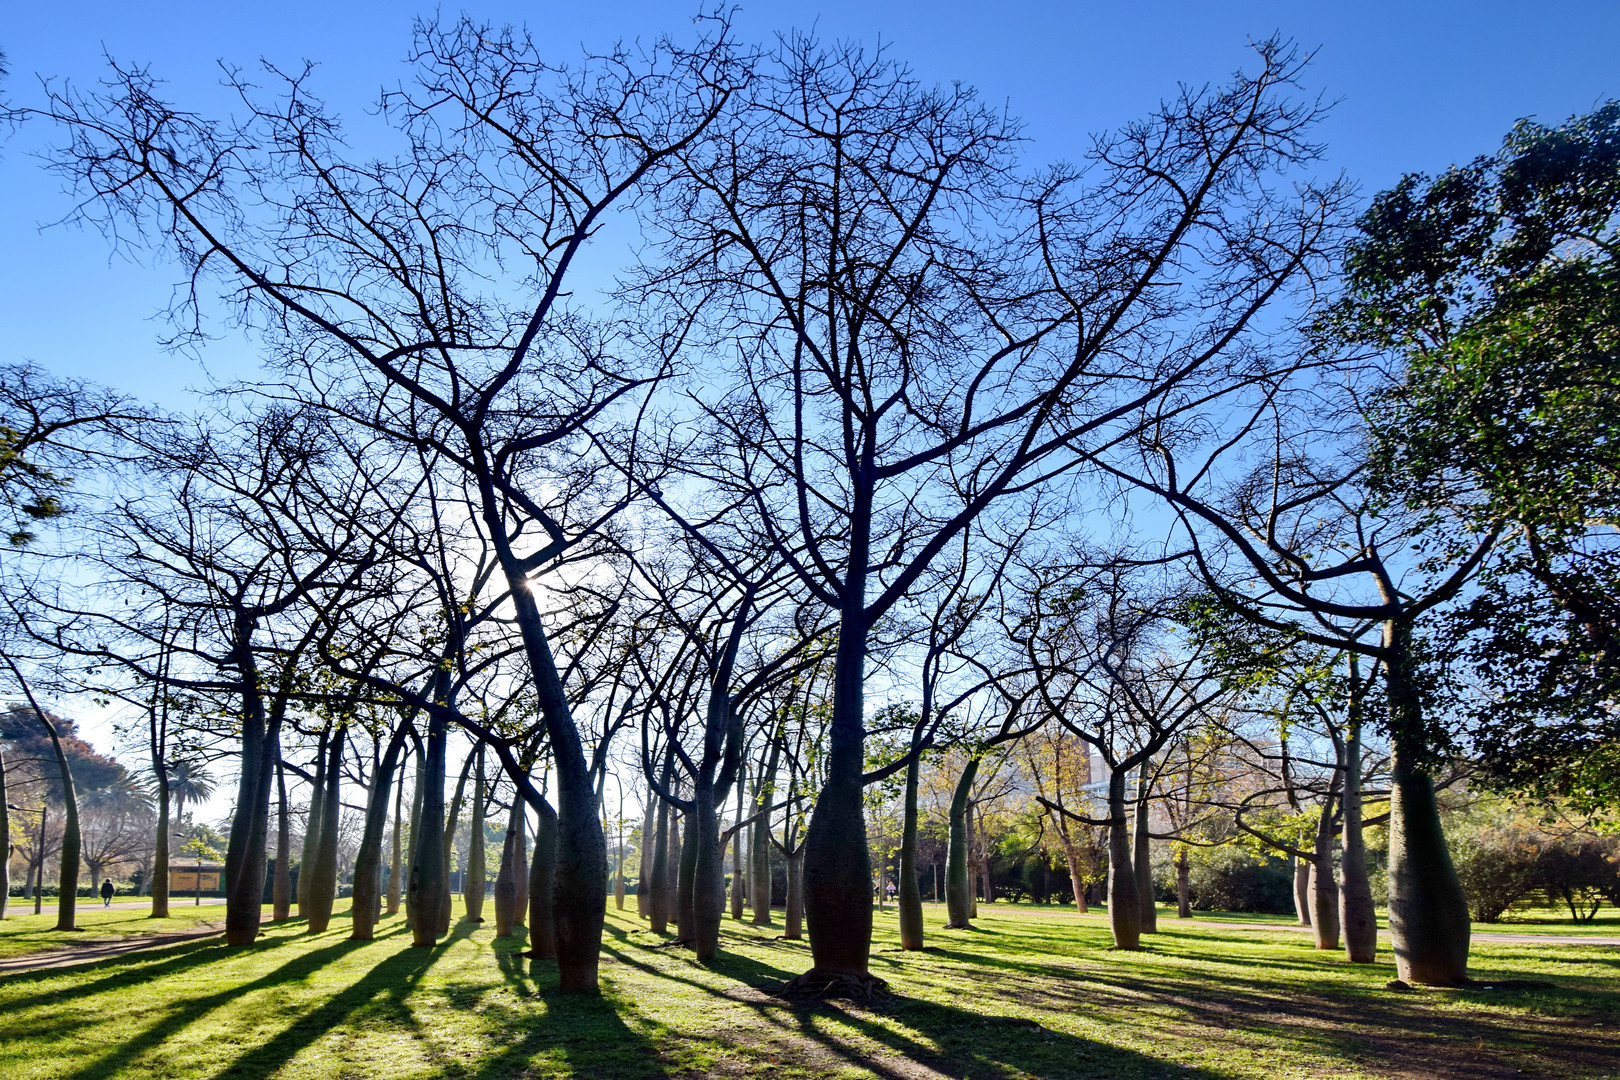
[[817, 985]]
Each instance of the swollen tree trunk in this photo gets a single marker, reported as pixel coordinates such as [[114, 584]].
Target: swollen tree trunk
[[542, 886], [1428, 913], [472, 892], [759, 854], [506, 879], [411, 911], [5, 841], [451, 822], [973, 866], [323, 876], [312, 825], [520, 863], [1302, 889], [1071, 851], [709, 873], [910, 893], [837, 863], [958, 886], [428, 884], [1355, 893], [644, 870], [1142, 857], [685, 883], [658, 901], [1124, 900], [739, 892], [281, 886], [395, 857], [160, 846], [793, 915], [1183, 885], [1324, 891], [367, 902]]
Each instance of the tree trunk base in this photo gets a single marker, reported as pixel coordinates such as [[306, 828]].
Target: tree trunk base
[[958, 926], [816, 985], [465, 918]]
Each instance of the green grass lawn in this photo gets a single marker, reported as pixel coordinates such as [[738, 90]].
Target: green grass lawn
[[23, 932], [1028, 993]]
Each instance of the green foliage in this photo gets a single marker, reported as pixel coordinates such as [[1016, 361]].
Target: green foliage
[[1498, 284]]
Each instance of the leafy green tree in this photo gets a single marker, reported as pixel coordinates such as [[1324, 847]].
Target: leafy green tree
[[1497, 285]]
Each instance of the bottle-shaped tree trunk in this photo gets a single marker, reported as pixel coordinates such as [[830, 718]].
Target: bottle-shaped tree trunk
[[452, 822], [1355, 892], [686, 882], [1071, 852], [542, 885], [506, 877], [367, 903], [323, 875], [1302, 889], [472, 893], [1428, 913], [910, 892], [658, 886], [427, 882], [793, 916], [281, 885], [644, 860], [521, 865], [312, 824], [1324, 890], [1142, 856], [414, 837], [759, 854], [1124, 901], [958, 885], [739, 841], [1183, 884]]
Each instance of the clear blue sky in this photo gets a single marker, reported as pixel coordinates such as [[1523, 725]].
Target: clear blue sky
[[1420, 85]]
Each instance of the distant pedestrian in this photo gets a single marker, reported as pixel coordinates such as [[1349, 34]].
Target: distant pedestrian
[[106, 893]]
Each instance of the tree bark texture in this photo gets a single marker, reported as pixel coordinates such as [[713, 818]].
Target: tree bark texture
[[910, 892], [506, 879], [367, 903], [759, 853], [542, 886], [427, 882], [473, 877], [281, 885], [659, 901], [1355, 892], [958, 885], [1142, 856], [1302, 889], [1124, 901], [323, 875]]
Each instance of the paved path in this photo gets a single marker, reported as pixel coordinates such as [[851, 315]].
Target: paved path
[[93, 949]]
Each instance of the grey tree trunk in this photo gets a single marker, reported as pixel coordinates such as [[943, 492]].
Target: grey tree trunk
[[427, 882], [1071, 851], [658, 902], [1124, 901], [739, 838], [542, 885], [367, 904], [5, 839], [958, 886], [759, 854], [686, 882], [1428, 913], [910, 892], [1355, 892], [793, 917], [520, 864], [323, 876], [1324, 890], [160, 847], [1183, 885], [68, 883], [1302, 890], [312, 825], [506, 878], [1142, 856], [644, 870], [452, 821], [411, 911], [281, 887], [473, 878]]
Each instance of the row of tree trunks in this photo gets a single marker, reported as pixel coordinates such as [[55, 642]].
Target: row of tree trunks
[[322, 874]]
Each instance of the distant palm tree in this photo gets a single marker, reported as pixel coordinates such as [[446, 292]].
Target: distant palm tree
[[188, 782]]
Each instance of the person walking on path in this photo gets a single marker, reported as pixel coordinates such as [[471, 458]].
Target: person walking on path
[[106, 893]]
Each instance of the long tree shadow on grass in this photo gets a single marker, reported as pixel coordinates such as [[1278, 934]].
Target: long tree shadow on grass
[[904, 1031], [185, 1012], [379, 995]]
